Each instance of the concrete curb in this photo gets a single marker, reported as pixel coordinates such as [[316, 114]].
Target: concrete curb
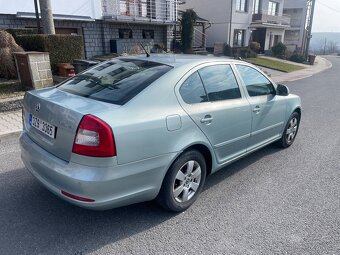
[[10, 136], [305, 73]]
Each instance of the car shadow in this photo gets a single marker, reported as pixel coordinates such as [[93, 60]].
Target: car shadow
[[33, 220], [238, 165]]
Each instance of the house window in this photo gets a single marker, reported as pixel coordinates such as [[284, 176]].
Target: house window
[[273, 8], [256, 7], [125, 33], [148, 34], [239, 37], [242, 5]]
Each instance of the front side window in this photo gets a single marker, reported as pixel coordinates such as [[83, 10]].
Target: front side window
[[192, 90], [116, 81], [242, 5], [220, 82], [239, 37], [257, 84], [273, 8]]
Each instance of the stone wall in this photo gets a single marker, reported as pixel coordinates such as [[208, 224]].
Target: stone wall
[[97, 34]]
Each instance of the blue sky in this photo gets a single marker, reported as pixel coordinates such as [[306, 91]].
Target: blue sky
[[327, 16]]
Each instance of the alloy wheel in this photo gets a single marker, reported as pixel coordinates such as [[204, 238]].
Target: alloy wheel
[[187, 181], [291, 130]]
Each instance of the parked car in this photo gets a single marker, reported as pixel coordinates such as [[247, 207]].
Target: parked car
[[134, 129]]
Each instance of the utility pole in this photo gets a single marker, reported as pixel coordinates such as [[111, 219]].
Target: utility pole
[[325, 46], [230, 24], [37, 15], [311, 6], [47, 17]]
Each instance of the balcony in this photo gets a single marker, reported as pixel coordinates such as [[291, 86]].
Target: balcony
[[142, 11], [265, 20]]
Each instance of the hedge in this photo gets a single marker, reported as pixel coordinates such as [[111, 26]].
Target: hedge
[[239, 52], [298, 58], [15, 32], [62, 48]]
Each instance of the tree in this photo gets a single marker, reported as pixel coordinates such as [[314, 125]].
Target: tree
[[189, 18]]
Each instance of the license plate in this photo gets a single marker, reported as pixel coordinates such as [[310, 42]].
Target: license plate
[[42, 126]]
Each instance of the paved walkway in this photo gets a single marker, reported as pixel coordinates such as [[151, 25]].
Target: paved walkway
[[11, 122]]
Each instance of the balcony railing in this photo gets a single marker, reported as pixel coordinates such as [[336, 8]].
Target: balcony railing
[[164, 11], [270, 19]]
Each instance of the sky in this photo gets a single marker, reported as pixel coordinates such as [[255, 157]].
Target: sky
[[327, 16]]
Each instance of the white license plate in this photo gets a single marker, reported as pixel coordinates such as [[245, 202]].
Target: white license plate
[[42, 126]]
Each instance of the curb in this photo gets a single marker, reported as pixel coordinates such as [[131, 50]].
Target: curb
[[307, 73], [10, 136]]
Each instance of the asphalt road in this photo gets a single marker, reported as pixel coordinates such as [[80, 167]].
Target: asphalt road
[[272, 202]]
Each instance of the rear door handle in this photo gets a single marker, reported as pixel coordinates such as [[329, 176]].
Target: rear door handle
[[257, 109], [207, 119]]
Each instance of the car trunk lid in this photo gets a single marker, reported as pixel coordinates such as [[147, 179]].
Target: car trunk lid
[[61, 110]]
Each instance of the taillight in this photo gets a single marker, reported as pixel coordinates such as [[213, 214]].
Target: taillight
[[94, 138]]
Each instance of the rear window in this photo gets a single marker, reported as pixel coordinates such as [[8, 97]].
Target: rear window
[[116, 81]]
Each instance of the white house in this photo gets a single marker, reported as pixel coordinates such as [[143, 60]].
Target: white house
[[106, 25], [237, 22], [295, 36]]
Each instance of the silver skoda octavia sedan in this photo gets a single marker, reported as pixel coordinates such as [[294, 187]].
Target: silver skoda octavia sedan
[[134, 129]]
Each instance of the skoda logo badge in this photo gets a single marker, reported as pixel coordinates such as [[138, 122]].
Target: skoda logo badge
[[37, 107]]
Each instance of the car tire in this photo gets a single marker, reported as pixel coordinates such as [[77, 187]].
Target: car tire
[[290, 131], [183, 182]]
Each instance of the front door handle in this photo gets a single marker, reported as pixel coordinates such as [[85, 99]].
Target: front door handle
[[207, 120], [257, 109]]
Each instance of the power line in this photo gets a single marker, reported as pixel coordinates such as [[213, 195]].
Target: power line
[[329, 7]]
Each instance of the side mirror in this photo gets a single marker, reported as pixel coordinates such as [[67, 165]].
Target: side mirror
[[282, 90]]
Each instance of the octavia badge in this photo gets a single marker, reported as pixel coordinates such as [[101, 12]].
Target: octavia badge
[[37, 107]]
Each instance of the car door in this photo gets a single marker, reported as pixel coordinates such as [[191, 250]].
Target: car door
[[212, 98], [268, 109]]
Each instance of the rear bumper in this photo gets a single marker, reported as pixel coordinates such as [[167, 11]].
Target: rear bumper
[[110, 187]]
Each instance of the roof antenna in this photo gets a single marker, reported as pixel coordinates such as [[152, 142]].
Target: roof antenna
[[146, 52]]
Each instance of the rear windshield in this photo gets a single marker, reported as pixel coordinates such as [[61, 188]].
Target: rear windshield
[[116, 81]]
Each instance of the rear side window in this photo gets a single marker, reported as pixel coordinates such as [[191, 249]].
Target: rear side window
[[192, 90], [257, 84], [220, 82], [116, 81]]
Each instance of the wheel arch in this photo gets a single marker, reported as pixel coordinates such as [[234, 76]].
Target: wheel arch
[[298, 110], [204, 150]]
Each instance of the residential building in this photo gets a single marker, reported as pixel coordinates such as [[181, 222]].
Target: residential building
[[238, 22], [295, 36], [106, 25]]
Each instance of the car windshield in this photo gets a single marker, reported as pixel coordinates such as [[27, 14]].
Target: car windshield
[[116, 81]]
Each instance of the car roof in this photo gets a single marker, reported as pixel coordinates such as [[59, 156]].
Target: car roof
[[177, 60]]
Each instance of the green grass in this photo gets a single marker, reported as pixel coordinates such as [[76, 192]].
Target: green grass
[[10, 88], [273, 64]]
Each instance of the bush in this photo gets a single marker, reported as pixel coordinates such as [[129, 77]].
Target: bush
[[227, 50], [279, 50], [7, 47], [298, 58], [255, 46], [62, 48], [243, 52]]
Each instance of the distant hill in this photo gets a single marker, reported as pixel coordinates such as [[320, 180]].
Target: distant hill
[[318, 41]]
